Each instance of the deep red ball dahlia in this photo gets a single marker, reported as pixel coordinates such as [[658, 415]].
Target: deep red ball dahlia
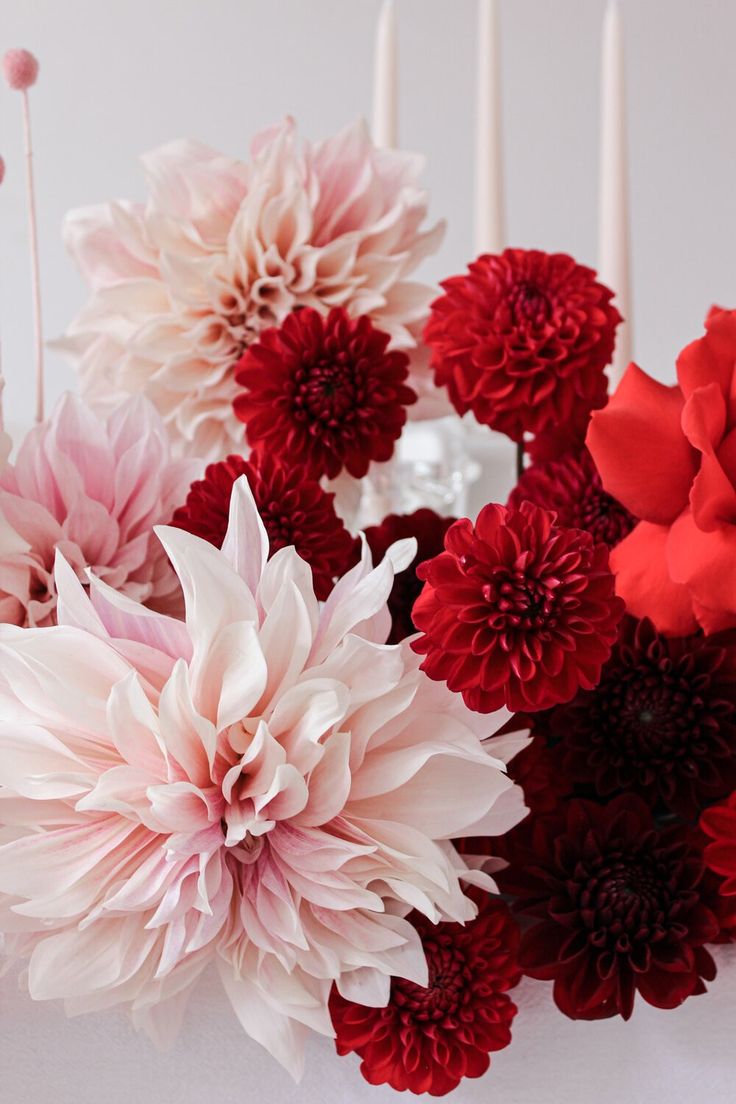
[[429, 529], [661, 722], [324, 392], [572, 489], [618, 907], [516, 611], [522, 340], [428, 1040], [293, 507], [539, 770], [719, 824]]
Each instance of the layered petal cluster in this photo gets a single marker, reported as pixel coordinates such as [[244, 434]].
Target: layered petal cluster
[[428, 1038], [660, 723], [516, 611], [571, 487], [325, 393], [669, 455], [619, 908], [224, 249], [522, 339], [294, 509], [93, 488], [266, 786]]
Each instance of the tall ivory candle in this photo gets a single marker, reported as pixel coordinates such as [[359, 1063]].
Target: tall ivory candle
[[385, 99], [489, 206], [614, 262]]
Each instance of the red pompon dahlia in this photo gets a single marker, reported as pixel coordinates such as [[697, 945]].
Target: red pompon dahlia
[[719, 824], [661, 722], [618, 906], [522, 340], [324, 392], [572, 488], [539, 770], [294, 509], [516, 611], [429, 530], [428, 1040]]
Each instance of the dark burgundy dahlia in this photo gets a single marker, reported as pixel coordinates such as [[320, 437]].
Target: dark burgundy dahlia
[[571, 487], [429, 1039], [522, 340], [661, 722], [429, 530], [294, 509], [617, 904], [516, 611], [324, 392]]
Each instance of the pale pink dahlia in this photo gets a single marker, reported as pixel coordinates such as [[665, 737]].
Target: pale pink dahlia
[[223, 249], [94, 489], [266, 787]]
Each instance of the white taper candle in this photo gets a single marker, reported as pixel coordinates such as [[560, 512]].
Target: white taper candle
[[614, 261], [385, 83], [489, 199]]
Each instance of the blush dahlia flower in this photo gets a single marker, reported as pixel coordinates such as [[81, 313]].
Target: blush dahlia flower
[[223, 249], [94, 489], [266, 787]]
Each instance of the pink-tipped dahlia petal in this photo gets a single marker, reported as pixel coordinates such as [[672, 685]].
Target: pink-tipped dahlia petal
[[94, 490], [224, 249], [273, 796]]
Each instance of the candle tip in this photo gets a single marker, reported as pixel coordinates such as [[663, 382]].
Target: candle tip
[[20, 68]]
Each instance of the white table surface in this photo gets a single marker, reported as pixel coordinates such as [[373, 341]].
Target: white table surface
[[678, 1057]]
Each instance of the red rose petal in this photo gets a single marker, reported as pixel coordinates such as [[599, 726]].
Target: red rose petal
[[643, 581], [630, 437]]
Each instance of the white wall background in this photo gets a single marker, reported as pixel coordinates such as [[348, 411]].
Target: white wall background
[[119, 78]]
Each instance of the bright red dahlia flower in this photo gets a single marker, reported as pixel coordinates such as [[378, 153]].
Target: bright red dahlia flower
[[324, 392], [516, 611], [522, 340], [294, 509], [572, 489], [669, 455], [719, 824], [429, 530], [428, 1040], [660, 723], [618, 905]]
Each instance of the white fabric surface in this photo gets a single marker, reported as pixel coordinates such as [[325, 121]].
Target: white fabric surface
[[686, 1056]]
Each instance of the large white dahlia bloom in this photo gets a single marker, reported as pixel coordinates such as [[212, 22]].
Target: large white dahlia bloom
[[223, 249], [266, 787]]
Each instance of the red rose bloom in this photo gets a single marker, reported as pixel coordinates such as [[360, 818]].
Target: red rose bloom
[[719, 824], [428, 1040], [429, 529], [661, 722], [618, 908], [324, 392], [293, 507], [572, 489], [522, 340], [669, 455], [516, 611]]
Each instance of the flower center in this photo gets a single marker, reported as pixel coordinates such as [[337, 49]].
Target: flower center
[[628, 902], [530, 305], [328, 392], [603, 517], [518, 602], [446, 989]]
